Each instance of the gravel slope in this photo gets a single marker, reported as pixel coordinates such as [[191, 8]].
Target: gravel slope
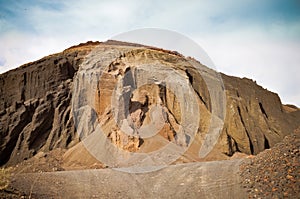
[[274, 173]]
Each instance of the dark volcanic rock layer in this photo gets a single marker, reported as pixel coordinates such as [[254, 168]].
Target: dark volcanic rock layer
[[36, 115]]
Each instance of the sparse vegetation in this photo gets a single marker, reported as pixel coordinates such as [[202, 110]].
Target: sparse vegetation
[[4, 178]]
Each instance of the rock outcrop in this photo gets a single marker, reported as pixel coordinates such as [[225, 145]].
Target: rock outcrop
[[255, 118], [38, 101], [35, 109]]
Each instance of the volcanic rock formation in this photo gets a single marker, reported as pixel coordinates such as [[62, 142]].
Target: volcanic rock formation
[[123, 86]]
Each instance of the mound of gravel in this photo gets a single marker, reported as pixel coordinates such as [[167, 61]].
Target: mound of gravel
[[274, 173]]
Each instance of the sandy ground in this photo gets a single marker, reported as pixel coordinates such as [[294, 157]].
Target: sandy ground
[[216, 179]]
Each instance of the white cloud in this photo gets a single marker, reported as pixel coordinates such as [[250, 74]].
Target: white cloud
[[17, 49], [266, 52], [273, 63]]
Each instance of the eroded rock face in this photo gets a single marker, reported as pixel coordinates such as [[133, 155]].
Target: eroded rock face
[[142, 96], [255, 117], [36, 102], [35, 110]]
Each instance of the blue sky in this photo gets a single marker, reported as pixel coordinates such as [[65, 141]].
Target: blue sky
[[259, 39]]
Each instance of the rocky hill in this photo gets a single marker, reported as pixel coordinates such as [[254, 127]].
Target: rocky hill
[[37, 106]]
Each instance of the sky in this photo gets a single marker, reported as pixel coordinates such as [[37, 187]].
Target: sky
[[258, 39]]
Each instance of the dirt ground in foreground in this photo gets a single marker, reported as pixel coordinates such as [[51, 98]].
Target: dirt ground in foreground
[[274, 173]]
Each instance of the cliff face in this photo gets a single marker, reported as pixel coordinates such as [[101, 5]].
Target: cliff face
[[35, 105], [36, 110], [255, 118]]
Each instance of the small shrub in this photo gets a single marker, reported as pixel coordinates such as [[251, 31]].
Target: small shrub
[[4, 178]]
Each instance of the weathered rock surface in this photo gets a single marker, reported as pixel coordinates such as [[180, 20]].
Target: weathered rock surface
[[255, 118], [35, 111], [36, 104]]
